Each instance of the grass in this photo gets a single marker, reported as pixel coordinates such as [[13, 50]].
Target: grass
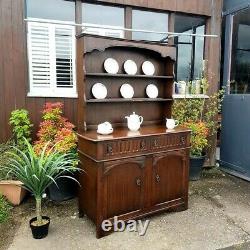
[[4, 209]]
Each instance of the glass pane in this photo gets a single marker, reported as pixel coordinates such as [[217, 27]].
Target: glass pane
[[185, 39], [199, 49], [184, 62], [244, 36], [148, 20], [189, 63], [185, 23], [240, 71], [241, 83], [103, 15], [51, 9]]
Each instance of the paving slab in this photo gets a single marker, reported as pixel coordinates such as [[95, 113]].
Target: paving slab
[[218, 217]]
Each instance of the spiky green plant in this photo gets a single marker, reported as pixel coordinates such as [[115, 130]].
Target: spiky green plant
[[37, 172]]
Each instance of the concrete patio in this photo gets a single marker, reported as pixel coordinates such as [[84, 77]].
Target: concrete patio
[[218, 217]]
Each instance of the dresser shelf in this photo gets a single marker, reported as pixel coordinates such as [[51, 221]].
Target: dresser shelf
[[127, 76], [110, 100]]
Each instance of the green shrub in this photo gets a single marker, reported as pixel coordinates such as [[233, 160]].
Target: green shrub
[[5, 159], [199, 115], [21, 127], [4, 209]]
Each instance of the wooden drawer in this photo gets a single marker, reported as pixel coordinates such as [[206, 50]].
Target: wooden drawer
[[138, 146], [165, 142], [125, 147]]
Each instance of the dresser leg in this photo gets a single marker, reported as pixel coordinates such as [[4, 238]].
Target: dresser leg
[[80, 213], [99, 232]]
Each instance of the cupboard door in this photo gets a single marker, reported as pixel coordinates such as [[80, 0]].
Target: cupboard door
[[168, 176], [123, 183]]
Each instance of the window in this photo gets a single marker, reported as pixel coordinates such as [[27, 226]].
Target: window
[[240, 65], [51, 51], [51, 48], [190, 49], [51, 9], [148, 20], [101, 15]]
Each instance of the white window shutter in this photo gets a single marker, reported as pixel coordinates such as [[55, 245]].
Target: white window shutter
[[64, 48], [39, 55], [51, 49]]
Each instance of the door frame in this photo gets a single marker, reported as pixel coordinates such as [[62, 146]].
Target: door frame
[[228, 47]]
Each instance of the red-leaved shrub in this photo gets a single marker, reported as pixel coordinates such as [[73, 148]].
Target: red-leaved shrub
[[55, 130]]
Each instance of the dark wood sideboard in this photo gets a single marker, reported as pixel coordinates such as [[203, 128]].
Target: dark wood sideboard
[[128, 174]]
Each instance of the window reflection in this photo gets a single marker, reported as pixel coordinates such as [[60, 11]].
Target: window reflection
[[101, 15], [51, 9], [190, 54], [240, 71], [199, 55], [148, 20]]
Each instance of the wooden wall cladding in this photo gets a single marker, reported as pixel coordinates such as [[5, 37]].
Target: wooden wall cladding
[[13, 64], [200, 7], [14, 70]]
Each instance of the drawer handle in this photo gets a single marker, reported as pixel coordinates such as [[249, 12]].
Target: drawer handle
[[109, 149], [143, 144], [183, 140], [138, 182], [157, 177], [155, 143]]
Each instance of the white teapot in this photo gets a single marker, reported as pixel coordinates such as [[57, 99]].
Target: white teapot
[[171, 123], [134, 121]]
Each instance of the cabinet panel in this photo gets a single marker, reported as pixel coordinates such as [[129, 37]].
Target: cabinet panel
[[123, 182], [168, 182]]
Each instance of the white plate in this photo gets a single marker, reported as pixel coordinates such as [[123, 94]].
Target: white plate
[[111, 66], [99, 91], [127, 91], [130, 67], [102, 132], [152, 91], [148, 68]]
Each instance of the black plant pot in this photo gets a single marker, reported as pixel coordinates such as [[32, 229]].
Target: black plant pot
[[67, 189], [40, 232], [196, 164]]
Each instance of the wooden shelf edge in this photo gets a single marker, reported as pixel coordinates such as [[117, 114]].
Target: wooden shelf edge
[[111, 100], [129, 76]]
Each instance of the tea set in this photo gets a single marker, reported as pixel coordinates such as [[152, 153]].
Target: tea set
[[134, 122]]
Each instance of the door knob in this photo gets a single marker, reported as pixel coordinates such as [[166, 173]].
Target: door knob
[[157, 177], [138, 182], [183, 140]]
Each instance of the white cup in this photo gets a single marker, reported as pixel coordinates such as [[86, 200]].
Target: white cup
[[171, 123], [105, 127]]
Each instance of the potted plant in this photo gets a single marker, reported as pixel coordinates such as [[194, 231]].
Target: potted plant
[[57, 130], [199, 115], [9, 187], [199, 141], [21, 128], [37, 172]]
